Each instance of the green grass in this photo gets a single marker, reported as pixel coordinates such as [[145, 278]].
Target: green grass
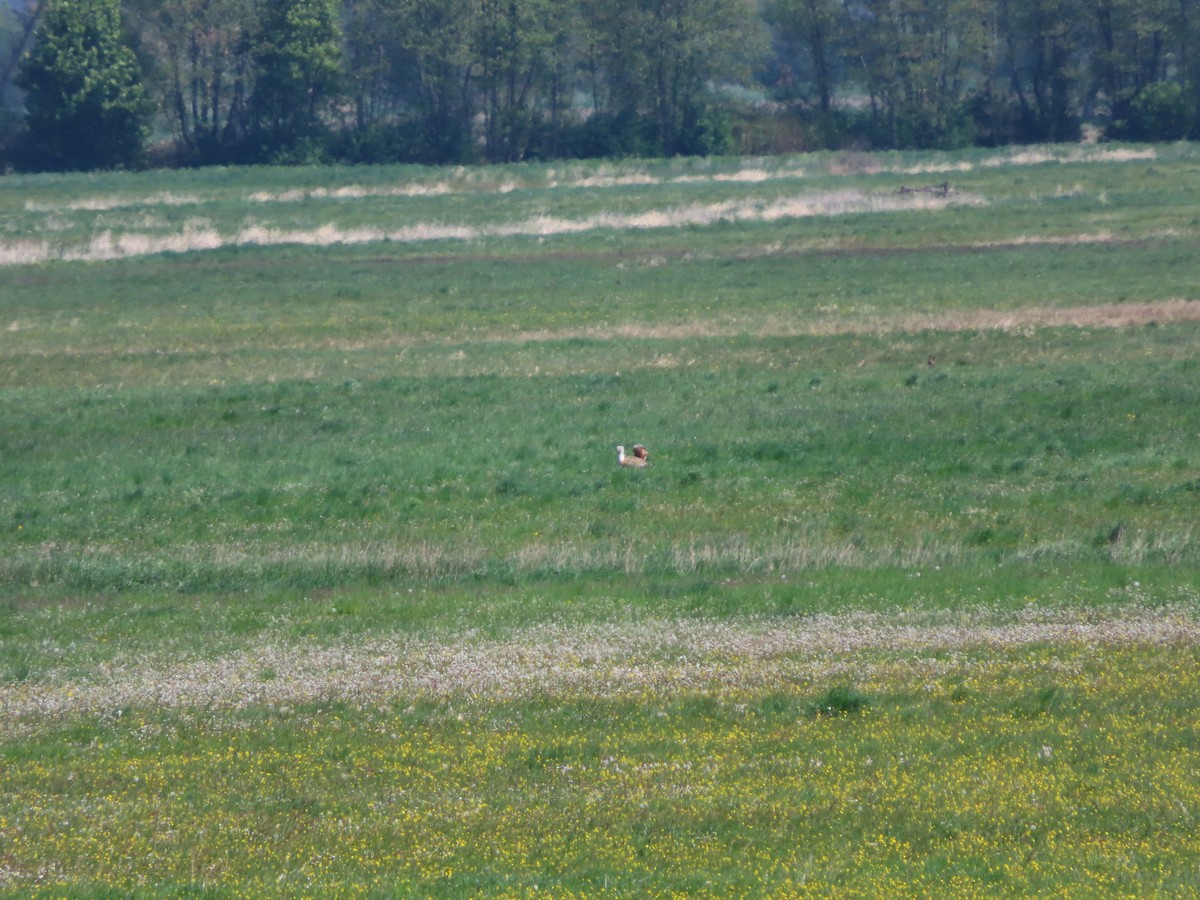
[[232, 481], [787, 452]]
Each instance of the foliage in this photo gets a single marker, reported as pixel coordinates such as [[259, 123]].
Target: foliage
[[83, 89], [1046, 43], [811, 30], [18, 23], [1133, 45], [667, 53], [427, 69], [198, 69], [296, 61], [1159, 113], [511, 80], [514, 43]]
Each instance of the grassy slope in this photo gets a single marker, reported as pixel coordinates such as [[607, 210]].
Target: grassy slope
[[213, 452]]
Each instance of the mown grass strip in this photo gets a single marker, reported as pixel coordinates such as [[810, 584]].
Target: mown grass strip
[[626, 660]]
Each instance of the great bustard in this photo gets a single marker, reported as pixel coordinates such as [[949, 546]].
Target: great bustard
[[640, 458]]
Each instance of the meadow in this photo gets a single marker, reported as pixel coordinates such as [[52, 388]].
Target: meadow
[[318, 576]]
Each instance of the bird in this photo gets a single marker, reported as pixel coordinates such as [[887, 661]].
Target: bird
[[632, 461]]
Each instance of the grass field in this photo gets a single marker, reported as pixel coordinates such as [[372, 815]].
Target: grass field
[[318, 576]]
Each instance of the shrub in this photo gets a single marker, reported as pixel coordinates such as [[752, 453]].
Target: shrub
[[1158, 113]]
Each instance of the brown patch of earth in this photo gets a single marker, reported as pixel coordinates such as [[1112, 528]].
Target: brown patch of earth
[[1115, 315], [1121, 315]]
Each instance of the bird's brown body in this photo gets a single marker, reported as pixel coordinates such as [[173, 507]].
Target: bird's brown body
[[640, 458]]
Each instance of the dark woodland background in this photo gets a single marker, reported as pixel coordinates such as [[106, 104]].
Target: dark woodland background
[[101, 84]]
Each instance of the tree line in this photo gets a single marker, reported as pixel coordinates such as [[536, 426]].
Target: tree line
[[93, 84]]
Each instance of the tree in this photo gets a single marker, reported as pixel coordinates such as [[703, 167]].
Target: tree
[[367, 60], [654, 64], [1188, 59], [18, 25], [297, 62], [1044, 52], [85, 105], [19, 21], [513, 45], [811, 27], [1158, 113], [1132, 49], [918, 59], [431, 72], [201, 71]]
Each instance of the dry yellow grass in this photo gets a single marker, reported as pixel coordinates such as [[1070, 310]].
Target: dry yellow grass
[[200, 235]]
